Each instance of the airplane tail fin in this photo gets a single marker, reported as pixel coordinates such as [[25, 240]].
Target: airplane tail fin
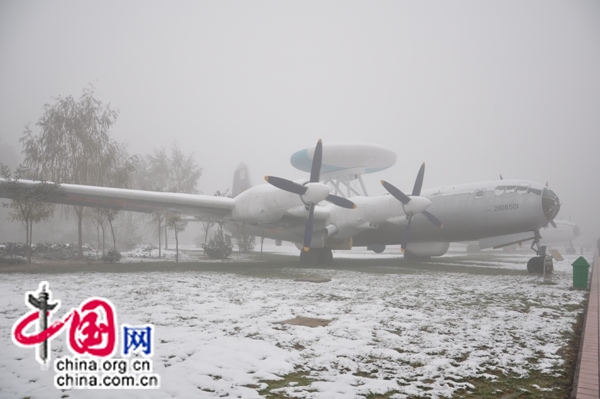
[[241, 180]]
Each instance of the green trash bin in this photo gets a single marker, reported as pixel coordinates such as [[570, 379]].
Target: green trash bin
[[580, 273]]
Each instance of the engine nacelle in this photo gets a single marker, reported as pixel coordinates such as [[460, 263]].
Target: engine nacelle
[[263, 204], [425, 249]]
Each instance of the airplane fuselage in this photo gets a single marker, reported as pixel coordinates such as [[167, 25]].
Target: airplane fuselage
[[468, 212]]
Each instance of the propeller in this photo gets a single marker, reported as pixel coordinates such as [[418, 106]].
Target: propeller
[[413, 204], [311, 193]]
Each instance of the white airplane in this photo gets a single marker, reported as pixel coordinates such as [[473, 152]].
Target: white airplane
[[495, 213]]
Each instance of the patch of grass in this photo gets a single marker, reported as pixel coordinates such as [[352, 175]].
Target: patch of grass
[[298, 378], [386, 395], [366, 374], [512, 386], [297, 346], [536, 384]]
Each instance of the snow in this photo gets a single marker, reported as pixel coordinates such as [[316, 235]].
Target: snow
[[423, 333]]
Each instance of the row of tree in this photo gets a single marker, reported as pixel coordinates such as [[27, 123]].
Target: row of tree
[[74, 146]]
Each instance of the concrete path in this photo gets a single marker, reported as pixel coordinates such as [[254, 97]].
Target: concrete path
[[587, 380]]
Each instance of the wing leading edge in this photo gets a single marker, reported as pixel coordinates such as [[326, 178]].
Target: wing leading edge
[[204, 206]]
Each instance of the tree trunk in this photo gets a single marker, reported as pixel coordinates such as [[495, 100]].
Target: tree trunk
[[176, 247], [30, 239], [79, 212], [98, 235], [159, 241], [27, 245], [103, 239], [166, 238], [112, 230]]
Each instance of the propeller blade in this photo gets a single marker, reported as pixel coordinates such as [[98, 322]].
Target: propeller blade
[[406, 234], [419, 181], [308, 228], [318, 191], [286, 185], [420, 204], [340, 201], [396, 193], [315, 170], [553, 224], [433, 219]]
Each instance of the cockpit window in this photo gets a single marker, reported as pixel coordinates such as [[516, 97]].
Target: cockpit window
[[534, 191], [500, 190], [479, 194], [550, 204], [511, 189], [521, 189]]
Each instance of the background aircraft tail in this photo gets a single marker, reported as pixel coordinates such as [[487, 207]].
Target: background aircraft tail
[[241, 180]]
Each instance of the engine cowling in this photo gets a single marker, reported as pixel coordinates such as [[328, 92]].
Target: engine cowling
[[263, 204], [427, 249]]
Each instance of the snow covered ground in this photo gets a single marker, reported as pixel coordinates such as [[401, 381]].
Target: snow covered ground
[[418, 333]]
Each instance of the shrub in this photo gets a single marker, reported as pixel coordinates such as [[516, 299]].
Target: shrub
[[112, 256], [12, 260], [218, 247]]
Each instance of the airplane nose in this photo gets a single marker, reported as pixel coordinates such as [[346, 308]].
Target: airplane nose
[[550, 204]]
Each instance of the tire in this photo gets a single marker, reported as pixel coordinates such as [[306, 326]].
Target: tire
[[535, 265]]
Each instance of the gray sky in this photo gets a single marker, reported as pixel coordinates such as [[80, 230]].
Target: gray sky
[[473, 88]]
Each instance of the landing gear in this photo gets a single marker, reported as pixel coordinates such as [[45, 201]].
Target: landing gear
[[376, 248], [539, 264], [317, 256]]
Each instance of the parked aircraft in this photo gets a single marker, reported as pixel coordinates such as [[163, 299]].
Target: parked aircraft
[[424, 223]]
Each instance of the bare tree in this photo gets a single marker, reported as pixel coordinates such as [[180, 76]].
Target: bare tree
[[98, 217], [159, 218], [177, 224], [177, 173], [206, 225], [74, 146], [174, 172], [29, 205]]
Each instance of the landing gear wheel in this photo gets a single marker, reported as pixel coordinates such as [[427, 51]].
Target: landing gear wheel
[[326, 257], [376, 248], [535, 265], [316, 256], [305, 257]]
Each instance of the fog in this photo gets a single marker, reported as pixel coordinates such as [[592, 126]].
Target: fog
[[475, 89]]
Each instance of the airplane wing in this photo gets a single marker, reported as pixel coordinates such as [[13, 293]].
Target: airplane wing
[[204, 206]]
